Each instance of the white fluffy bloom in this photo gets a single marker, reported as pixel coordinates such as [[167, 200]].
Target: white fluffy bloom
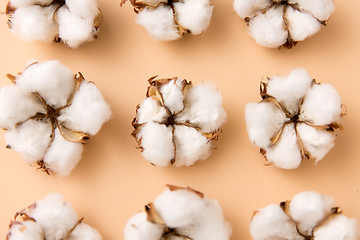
[[176, 122], [50, 218], [283, 23], [49, 113], [297, 118], [180, 213], [309, 215], [169, 20], [73, 22]]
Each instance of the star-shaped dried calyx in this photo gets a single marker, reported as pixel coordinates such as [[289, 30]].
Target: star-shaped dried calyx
[[49, 113], [179, 213], [50, 218], [308, 216], [296, 119], [72, 22], [275, 23], [167, 20], [177, 122]]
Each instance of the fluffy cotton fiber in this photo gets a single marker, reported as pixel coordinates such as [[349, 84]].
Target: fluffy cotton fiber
[[50, 218], [309, 215], [73, 22], [49, 113], [295, 120], [168, 20], [181, 213], [176, 122], [283, 23]]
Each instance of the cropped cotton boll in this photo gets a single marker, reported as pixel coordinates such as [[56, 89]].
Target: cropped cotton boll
[[50, 218], [295, 119], [283, 23], [49, 114], [170, 20], [25, 230], [176, 122], [308, 215], [74, 22], [179, 213]]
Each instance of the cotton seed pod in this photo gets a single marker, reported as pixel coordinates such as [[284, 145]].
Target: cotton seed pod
[[275, 23], [49, 114], [309, 215], [73, 22], [169, 20], [296, 119], [50, 219], [179, 213], [177, 122]]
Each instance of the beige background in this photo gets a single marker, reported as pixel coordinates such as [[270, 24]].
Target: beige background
[[112, 181]]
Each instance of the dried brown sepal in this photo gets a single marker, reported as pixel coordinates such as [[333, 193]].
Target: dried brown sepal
[[186, 86], [152, 215], [98, 20], [175, 188], [9, 9], [43, 167], [72, 229], [12, 78], [334, 212], [253, 215], [285, 205], [73, 136]]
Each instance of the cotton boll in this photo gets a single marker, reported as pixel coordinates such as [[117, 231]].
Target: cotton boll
[[263, 121], [203, 108], [210, 224], [157, 143], [16, 106], [159, 23], [322, 105], [301, 25], [84, 231], [74, 30], [179, 208], [34, 23], [317, 142], [338, 227], [139, 228], [173, 95], [31, 139], [62, 155], [308, 209], [53, 81], [285, 153], [55, 217], [194, 15], [88, 111], [25, 230], [246, 8], [268, 29], [151, 110], [320, 9], [289, 89], [271, 222], [83, 8], [191, 146]]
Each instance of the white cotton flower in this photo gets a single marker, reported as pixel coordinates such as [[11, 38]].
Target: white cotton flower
[[50, 218], [169, 20], [74, 22], [309, 215], [296, 119], [180, 213], [283, 23], [25, 230], [176, 122], [49, 113]]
